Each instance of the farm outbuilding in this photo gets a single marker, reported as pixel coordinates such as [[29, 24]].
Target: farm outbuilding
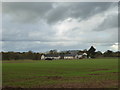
[[69, 56], [65, 56], [80, 56], [51, 56]]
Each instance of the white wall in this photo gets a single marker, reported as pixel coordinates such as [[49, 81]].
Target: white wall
[[42, 57], [68, 57], [53, 57]]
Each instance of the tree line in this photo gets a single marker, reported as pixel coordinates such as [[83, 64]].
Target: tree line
[[21, 55], [37, 56]]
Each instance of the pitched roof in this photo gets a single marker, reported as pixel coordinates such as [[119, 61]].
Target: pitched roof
[[57, 55], [69, 55], [52, 55]]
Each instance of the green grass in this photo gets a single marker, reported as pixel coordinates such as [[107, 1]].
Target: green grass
[[61, 73]]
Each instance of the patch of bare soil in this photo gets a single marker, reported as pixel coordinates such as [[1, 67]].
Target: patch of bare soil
[[42, 77], [101, 69], [18, 61], [54, 77], [59, 77], [102, 84], [95, 74], [79, 77], [11, 88], [92, 84], [115, 72], [47, 78]]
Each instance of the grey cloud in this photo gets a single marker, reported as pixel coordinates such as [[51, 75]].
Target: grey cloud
[[33, 11], [13, 31], [107, 36], [41, 47], [87, 9], [57, 14], [81, 10], [109, 22], [26, 11], [25, 24]]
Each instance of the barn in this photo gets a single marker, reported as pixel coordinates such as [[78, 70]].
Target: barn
[[51, 56], [69, 56], [65, 56]]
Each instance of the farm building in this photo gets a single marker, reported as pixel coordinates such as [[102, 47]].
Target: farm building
[[80, 56], [69, 56], [51, 56], [65, 56]]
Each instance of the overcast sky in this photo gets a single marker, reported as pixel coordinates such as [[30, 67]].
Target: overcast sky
[[42, 26]]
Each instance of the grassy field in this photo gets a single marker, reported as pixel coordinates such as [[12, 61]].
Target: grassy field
[[84, 73]]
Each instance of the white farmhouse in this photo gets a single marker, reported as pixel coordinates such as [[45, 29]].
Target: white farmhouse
[[80, 56]]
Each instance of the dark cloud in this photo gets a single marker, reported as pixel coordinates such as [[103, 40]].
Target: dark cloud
[[26, 11], [85, 10], [57, 14], [111, 21], [33, 11], [80, 10]]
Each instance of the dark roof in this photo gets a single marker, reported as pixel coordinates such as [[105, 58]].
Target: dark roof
[[69, 54], [52, 55], [57, 55]]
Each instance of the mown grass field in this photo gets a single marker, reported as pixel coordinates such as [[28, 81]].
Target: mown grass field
[[84, 73]]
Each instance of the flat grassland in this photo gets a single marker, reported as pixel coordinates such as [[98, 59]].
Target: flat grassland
[[83, 73]]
